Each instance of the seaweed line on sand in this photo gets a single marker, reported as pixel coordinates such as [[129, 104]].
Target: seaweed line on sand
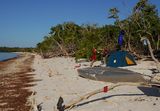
[[14, 87]]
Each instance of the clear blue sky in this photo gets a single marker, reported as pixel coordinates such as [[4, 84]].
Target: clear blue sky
[[24, 23]]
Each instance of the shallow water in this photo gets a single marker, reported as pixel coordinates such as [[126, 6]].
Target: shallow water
[[7, 55]]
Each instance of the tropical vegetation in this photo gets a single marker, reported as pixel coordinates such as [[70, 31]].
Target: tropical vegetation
[[78, 40]]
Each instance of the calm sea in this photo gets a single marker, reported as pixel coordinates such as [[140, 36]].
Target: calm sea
[[7, 55]]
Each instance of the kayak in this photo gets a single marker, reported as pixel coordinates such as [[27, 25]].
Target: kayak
[[110, 74]]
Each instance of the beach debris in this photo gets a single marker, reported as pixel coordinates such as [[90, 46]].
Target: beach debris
[[62, 107], [50, 73], [39, 107], [154, 71], [139, 99], [155, 79], [32, 102], [77, 66], [154, 104], [72, 104]]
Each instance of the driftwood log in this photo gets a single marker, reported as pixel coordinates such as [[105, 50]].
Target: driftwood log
[[61, 107]]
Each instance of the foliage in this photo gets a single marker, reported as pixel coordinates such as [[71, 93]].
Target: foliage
[[79, 40]]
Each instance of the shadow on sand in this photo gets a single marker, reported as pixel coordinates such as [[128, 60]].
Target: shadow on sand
[[149, 91]]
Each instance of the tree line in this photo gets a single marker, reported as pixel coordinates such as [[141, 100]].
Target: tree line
[[16, 49], [78, 40]]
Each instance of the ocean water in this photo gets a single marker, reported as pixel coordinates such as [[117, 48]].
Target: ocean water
[[7, 55]]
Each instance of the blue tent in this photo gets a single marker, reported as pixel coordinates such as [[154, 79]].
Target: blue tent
[[120, 59]]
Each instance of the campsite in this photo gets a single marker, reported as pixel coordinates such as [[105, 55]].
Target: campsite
[[78, 64]]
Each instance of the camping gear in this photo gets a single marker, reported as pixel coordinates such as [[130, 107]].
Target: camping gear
[[120, 59], [110, 74]]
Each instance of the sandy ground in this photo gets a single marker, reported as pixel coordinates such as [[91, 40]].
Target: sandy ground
[[59, 77]]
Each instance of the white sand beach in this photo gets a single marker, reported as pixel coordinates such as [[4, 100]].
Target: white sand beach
[[59, 77]]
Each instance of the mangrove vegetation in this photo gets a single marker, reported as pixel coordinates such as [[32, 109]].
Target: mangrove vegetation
[[71, 39]]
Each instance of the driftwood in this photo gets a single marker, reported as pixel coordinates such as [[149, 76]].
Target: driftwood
[[61, 48], [151, 52], [33, 104], [72, 104]]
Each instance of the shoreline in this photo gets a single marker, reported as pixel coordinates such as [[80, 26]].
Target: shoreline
[[18, 54], [15, 79], [5, 60], [51, 78]]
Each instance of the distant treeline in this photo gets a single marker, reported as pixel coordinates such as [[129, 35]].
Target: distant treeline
[[78, 40], [16, 49]]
